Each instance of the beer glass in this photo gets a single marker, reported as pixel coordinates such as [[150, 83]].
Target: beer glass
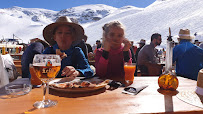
[[46, 67]]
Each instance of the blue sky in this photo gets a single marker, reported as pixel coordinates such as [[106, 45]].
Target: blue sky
[[58, 5]]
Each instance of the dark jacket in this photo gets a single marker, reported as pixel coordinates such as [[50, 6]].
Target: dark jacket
[[28, 55], [75, 57], [86, 48], [188, 58]]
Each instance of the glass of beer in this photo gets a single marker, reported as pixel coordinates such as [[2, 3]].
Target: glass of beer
[[46, 67], [35, 81], [129, 69]]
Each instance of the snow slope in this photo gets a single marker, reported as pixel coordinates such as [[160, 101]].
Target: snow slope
[[27, 23], [156, 18]]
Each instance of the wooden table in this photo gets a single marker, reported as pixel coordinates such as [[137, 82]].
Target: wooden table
[[149, 100]]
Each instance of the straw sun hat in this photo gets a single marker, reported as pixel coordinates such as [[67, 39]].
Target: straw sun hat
[[48, 32], [185, 34], [194, 97]]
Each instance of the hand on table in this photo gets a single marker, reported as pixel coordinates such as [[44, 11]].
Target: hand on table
[[70, 71]]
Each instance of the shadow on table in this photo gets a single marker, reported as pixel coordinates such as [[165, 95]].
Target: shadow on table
[[7, 96], [29, 111], [76, 94], [168, 98]]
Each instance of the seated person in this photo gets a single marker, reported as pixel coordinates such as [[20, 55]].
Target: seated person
[[141, 44], [147, 60], [86, 48], [188, 56], [110, 59], [64, 35], [36, 46]]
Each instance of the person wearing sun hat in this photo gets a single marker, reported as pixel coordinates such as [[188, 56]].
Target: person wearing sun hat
[[187, 56], [63, 36], [141, 44], [197, 42]]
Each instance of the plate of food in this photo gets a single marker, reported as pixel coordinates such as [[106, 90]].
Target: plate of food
[[78, 85]]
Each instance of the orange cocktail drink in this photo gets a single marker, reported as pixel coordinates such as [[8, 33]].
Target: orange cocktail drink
[[129, 69]]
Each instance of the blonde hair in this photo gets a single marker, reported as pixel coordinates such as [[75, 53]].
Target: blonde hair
[[107, 27]]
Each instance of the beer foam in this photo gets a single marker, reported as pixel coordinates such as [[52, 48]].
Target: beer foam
[[44, 64]]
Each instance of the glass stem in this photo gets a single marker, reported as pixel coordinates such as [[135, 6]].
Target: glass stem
[[45, 91]]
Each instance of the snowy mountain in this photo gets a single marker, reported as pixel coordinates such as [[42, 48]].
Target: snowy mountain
[[156, 18], [87, 13], [27, 23]]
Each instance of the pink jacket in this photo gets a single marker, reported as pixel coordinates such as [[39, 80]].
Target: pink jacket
[[113, 67]]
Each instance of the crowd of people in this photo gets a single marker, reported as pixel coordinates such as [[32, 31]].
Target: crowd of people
[[112, 52]]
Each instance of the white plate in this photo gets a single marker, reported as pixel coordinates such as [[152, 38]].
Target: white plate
[[83, 89]]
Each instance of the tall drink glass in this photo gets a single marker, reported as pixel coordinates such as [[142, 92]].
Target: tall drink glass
[[129, 69], [46, 67]]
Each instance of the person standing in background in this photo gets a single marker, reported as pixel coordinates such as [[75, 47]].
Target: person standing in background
[[133, 47], [197, 42], [141, 44], [187, 56], [99, 45]]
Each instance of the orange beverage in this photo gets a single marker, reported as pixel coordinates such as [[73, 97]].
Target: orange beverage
[[34, 79], [3, 51], [46, 73], [129, 69], [17, 50]]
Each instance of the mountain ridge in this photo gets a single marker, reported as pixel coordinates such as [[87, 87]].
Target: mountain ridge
[[140, 23]]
